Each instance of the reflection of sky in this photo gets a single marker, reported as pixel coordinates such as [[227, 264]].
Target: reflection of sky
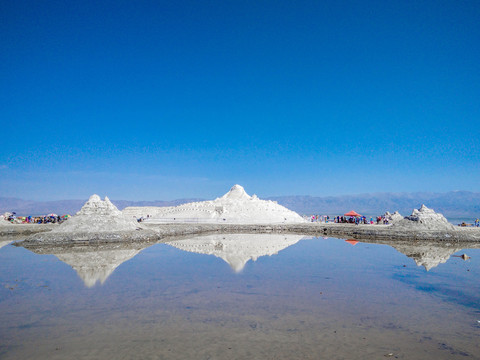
[[315, 284]]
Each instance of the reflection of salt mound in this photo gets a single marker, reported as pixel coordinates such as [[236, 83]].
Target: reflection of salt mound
[[96, 266], [237, 249], [426, 219], [393, 218], [427, 255], [93, 263], [97, 215], [236, 206]]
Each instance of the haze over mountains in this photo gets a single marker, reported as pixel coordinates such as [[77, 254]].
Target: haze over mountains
[[451, 204], [27, 207]]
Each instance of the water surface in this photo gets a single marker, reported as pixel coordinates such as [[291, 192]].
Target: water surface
[[239, 297]]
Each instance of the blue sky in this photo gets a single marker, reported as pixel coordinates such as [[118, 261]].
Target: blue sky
[[145, 100]]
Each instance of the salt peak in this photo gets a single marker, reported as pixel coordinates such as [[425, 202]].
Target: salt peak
[[426, 218], [95, 206], [98, 216], [237, 192]]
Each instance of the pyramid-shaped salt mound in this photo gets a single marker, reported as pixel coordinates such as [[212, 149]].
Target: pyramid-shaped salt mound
[[393, 218], [98, 216], [426, 219]]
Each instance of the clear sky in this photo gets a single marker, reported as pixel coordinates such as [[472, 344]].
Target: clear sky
[[146, 100]]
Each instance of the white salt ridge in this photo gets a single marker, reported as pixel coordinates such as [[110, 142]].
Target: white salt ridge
[[97, 216], [236, 206], [237, 249], [425, 219]]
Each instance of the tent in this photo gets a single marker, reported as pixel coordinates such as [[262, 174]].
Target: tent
[[352, 213]]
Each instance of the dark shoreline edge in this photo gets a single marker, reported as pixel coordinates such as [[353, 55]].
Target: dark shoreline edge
[[162, 232]]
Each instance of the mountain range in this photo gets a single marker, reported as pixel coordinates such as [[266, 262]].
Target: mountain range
[[453, 204]]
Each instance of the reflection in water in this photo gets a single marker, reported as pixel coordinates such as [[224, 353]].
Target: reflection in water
[[93, 263], [237, 249], [318, 297], [4, 243], [426, 253]]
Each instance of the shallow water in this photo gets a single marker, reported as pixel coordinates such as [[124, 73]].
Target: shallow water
[[224, 297]]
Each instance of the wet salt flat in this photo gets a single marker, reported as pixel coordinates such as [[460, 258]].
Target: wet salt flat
[[240, 297]]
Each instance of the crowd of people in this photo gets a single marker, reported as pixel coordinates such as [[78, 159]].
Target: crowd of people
[[45, 219], [381, 219]]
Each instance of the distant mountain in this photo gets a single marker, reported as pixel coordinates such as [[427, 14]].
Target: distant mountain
[[451, 204]]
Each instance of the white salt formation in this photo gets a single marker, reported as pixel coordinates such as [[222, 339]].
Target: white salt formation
[[4, 219], [236, 206], [425, 219], [98, 216], [237, 249], [393, 218]]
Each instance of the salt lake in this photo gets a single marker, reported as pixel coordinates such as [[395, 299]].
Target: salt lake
[[241, 297]]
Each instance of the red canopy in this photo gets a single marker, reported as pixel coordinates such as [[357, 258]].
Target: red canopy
[[352, 213]]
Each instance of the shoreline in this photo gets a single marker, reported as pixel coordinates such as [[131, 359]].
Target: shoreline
[[159, 232]]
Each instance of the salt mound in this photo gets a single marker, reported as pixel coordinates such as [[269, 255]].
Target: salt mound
[[236, 193], [5, 222], [4, 219], [98, 216], [426, 219], [236, 206], [393, 218]]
